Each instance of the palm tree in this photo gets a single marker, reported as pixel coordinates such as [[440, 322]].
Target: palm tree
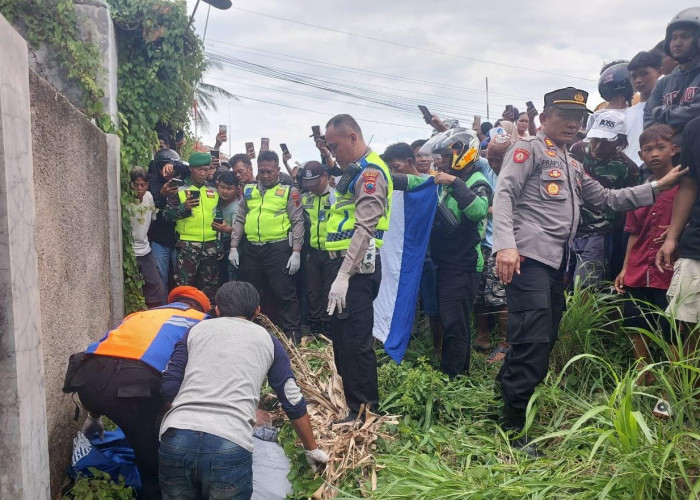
[[205, 96]]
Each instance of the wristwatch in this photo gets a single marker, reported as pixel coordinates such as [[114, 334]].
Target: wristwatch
[[655, 189]]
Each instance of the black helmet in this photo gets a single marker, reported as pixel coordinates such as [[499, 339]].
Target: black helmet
[[686, 18], [165, 156], [615, 81]]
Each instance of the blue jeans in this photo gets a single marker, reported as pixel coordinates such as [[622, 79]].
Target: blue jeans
[[165, 258], [198, 465]]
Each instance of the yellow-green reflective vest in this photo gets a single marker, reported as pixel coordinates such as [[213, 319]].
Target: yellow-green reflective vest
[[341, 223], [197, 227], [317, 209], [267, 218]]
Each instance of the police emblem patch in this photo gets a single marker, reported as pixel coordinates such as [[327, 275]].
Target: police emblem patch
[[370, 180], [553, 188], [550, 152], [210, 193], [579, 97], [520, 155], [248, 192], [279, 192], [556, 173], [295, 198]]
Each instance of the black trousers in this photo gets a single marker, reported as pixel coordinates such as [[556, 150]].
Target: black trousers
[[266, 264], [456, 295], [128, 392], [535, 305], [321, 270], [353, 343]]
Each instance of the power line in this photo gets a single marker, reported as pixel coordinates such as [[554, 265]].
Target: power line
[[325, 113], [351, 69], [372, 95], [415, 47]]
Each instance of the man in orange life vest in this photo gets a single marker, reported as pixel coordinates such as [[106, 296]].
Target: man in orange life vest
[[120, 376]]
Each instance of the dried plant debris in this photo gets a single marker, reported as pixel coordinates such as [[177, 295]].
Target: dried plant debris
[[350, 446]]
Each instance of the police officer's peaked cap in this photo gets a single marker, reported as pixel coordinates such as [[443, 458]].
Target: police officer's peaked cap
[[568, 98], [200, 159]]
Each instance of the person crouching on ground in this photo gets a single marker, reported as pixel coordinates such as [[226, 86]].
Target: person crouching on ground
[[213, 381]]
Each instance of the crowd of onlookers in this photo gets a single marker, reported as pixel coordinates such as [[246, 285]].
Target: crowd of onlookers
[[216, 242]]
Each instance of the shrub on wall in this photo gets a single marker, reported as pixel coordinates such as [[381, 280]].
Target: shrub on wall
[[160, 61]]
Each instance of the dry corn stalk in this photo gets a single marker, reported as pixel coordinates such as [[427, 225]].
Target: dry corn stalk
[[349, 446]]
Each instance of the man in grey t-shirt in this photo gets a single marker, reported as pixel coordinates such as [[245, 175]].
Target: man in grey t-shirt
[[213, 380]]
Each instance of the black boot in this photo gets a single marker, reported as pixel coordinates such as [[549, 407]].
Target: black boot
[[513, 423]]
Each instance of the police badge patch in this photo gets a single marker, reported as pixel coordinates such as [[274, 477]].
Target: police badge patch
[[553, 188], [520, 155], [370, 180]]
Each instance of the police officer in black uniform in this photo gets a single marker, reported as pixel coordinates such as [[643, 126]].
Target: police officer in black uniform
[[535, 216]]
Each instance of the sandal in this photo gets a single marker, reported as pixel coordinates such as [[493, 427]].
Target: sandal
[[498, 350]]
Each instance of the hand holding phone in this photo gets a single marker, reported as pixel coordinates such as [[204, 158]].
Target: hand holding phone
[[285, 149], [264, 144], [476, 124], [250, 150], [531, 110], [427, 115], [316, 132]]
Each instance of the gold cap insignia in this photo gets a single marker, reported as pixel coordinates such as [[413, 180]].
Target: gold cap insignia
[[579, 97]]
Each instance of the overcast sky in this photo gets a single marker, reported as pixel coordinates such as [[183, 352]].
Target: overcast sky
[[440, 53]]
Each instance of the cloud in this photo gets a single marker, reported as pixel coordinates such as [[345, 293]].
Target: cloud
[[561, 42]]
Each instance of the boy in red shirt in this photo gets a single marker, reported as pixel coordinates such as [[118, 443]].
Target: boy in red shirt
[[647, 227]]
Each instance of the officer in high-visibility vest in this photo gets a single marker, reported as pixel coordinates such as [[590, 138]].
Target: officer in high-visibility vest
[[358, 219], [271, 216], [120, 375], [194, 209], [317, 198]]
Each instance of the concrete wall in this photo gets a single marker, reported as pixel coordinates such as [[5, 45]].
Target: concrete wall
[[23, 443], [75, 172], [61, 277], [94, 25]]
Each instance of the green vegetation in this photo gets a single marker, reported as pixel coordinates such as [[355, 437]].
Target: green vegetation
[[160, 62], [589, 418]]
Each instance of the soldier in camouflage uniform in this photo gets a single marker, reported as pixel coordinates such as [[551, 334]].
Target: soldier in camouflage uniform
[[194, 208], [600, 243]]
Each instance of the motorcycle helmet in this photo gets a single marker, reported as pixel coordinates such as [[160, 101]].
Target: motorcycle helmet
[[459, 142], [615, 81], [687, 18]]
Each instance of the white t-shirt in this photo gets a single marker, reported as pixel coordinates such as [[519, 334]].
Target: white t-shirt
[[634, 118], [141, 216]]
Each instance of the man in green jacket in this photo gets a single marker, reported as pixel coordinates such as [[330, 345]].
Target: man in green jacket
[[455, 241]]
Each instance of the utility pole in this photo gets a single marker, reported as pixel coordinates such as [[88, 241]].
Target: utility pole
[[488, 117]]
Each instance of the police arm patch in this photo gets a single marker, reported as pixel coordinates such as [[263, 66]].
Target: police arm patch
[[521, 155], [370, 181]]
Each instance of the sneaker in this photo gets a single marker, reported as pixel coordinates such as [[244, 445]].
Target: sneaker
[[526, 446], [350, 419], [662, 410]]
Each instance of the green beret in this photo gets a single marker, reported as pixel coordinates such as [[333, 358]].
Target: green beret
[[200, 160]]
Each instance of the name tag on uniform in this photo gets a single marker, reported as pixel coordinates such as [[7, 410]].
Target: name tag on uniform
[[280, 192], [210, 193]]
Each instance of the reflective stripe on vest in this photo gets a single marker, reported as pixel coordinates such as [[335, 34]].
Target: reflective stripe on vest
[[318, 209], [341, 223], [267, 218], [197, 227], [149, 336]]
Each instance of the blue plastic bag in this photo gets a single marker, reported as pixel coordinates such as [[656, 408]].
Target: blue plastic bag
[[112, 455]]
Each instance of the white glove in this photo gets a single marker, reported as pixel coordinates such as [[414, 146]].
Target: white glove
[[315, 458], [233, 257], [294, 262], [93, 425], [339, 289]]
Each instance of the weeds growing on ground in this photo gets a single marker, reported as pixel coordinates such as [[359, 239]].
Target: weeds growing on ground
[[591, 420]]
